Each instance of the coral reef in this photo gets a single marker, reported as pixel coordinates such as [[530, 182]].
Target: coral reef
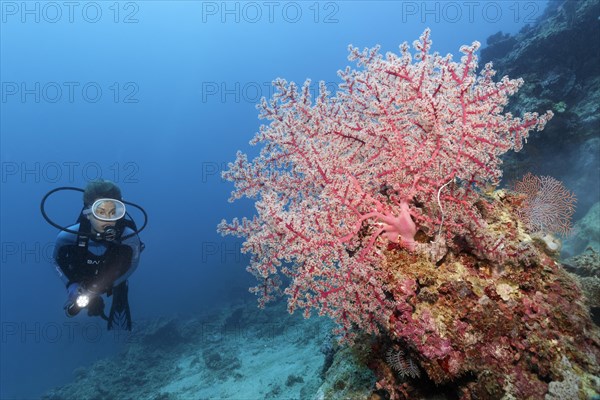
[[490, 330], [482, 330], [379, 206]]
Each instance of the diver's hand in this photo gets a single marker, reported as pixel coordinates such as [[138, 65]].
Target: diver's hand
[[80, 298]]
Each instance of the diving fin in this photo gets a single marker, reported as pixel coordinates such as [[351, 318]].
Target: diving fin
[[119, 309]]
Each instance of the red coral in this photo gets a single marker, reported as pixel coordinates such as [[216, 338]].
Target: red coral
[[402, 147]]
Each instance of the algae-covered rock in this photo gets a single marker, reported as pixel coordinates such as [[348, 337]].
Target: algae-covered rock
[[347, 378]]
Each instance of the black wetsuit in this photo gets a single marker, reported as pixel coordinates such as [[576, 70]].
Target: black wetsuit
[[102, 267]]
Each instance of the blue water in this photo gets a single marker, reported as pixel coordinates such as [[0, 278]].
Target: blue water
[[158, 96]]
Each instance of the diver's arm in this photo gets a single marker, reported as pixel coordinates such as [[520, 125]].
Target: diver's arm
[[119, 260], [134, 243], [62, 253]]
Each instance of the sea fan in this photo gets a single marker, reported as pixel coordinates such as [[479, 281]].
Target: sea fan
[[548, 206]]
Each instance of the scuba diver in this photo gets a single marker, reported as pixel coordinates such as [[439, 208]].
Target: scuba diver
[[99, 253]]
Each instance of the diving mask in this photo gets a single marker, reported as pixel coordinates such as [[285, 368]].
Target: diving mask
[[106, 210]]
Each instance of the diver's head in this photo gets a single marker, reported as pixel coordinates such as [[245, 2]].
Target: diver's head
[[102, 204]]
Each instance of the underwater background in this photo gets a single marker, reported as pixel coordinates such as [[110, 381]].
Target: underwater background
[[158, 96]]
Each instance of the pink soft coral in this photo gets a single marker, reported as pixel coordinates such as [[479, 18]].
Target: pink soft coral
[[404, 143]]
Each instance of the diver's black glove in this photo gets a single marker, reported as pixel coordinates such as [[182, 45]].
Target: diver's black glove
[[96, 307]]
